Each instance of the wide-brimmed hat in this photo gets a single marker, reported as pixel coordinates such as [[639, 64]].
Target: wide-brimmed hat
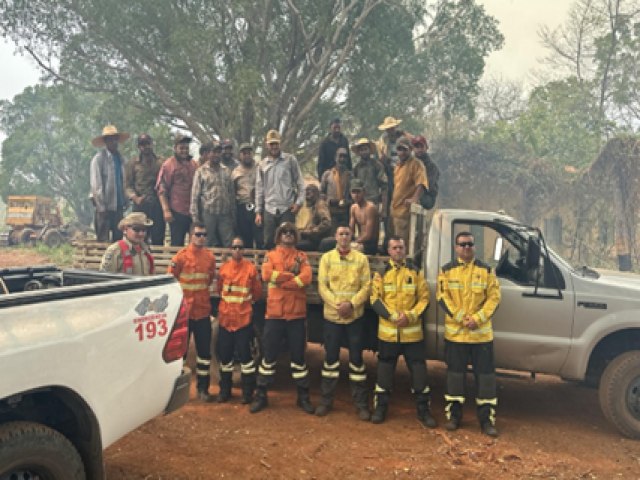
[[363, 141], [389, 122], [273, 136], [245, 146], [135, 218], [287, 226], [180, 138], [110, 131]]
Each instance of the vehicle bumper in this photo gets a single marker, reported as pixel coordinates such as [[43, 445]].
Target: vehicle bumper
[[180, 394]]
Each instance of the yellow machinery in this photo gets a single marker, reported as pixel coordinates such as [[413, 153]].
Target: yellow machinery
[[33, 218]]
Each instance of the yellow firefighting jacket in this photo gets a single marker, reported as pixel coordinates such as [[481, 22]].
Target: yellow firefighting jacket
[[401, 288], [343, 278], [468, 289]]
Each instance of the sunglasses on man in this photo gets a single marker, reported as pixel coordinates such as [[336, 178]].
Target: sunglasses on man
[[200, 234], [465, 244]]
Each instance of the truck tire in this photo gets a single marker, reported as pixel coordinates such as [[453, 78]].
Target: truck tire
[[620, 393], [25, 236], [31, 450], [53, 238]]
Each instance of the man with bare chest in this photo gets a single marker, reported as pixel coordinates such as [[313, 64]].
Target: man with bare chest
[[364, 214]]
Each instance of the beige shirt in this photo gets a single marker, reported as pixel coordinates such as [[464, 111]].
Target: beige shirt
[[112, 259], [244, 180]]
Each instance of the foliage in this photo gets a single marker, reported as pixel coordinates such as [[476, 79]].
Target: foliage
[[61, 256], [236, 69], [47, 150]]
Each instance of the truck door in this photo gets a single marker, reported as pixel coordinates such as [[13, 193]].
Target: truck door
[[531, 332]]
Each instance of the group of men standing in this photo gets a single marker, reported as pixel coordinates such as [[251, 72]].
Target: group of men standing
[[467, 290]]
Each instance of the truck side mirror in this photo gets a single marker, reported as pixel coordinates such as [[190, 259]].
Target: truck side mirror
[[497, 249], [533, 254]]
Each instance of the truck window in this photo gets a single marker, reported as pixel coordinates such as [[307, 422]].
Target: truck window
[[511, 262]]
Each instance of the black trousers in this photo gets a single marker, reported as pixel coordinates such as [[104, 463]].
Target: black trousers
[[295, 334], [107, 222], [179, 228], [415, 357], [230, 342], [480, 356], [247, 228], [153, 210], [271, 222], [201, 330], [334, 333]]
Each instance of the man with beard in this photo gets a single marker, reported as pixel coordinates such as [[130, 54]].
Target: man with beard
[[141, 174], [334, 187], [174, 183], [279, 188], [213, 197], [227, 155], [372, 175], [328, 147], [244, 181], [106, 175], [420, 150]]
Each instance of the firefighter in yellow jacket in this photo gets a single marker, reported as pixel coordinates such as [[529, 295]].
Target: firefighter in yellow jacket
[[399, 296], [469, 293], [344, 282]]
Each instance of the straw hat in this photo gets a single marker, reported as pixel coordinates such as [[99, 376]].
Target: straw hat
[[273, 136], [363, 141], [109, 131], [389, 122], [135, 218]]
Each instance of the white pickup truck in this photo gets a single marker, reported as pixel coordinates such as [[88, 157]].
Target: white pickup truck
[[86, 357]]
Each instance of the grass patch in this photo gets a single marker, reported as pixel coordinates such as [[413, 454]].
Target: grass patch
[[61, 256]]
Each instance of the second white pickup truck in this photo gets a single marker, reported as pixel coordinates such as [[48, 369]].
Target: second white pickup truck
[[86, 357]]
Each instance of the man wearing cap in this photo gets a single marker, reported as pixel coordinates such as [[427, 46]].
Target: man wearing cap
[[410, 180], [130, 254], [334, 187], [195, 268], [227, 154], [106, 175], [420, 150], [364, 218], [288, 272], [213, 197], [279, 188], [328, 147], [313, 220], [372, 174], [174, 183], [244, 182], [141, 174]]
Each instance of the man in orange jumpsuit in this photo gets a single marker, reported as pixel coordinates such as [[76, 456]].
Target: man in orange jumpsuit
[[288, 272], [195, 268], [238, 287]]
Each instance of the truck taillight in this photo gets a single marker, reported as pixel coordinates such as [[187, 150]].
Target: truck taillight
[[176, 345]]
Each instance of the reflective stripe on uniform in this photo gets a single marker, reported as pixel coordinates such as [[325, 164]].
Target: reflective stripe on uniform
[[203, 361], [193, 276], [226, 367], [486, 401], [453, 398], [298, 281], [298, 371], [235, 288], [194, 286], [248, 368], [235, 299]]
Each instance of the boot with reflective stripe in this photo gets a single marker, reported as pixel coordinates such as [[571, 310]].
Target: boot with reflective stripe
[[487, 415], [328, 384], [453, 412], [304, 402], [423, 408], [260, 401], [203, 377], [360, 396], [380, 405], [248, 379]]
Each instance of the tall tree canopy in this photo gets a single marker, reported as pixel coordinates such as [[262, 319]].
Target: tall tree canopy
[[239, 68]]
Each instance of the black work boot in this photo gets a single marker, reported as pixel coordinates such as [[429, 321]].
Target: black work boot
[[304, 402], [381, 403], [260, 401], [327, 391], [225, 387], [489, 429], [454, 416], [248, 386], [360, 396], [424, 411]]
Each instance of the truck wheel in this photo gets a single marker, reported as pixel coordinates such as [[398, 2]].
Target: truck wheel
[[25, 236], [30, 450], [620, 393], [53, 238]]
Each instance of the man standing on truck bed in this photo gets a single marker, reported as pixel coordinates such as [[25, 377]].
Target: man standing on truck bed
[[141, 174], [279, 188], [238, 287], [130, 255], [288, 272], [174, 189], [195, 268], [107, 183], [343, 283], [399, 296], [469, 293]]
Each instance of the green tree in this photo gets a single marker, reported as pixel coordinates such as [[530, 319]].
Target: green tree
[[47, 150]]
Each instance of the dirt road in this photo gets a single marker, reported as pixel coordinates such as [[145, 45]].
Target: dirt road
[[549, 429]]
